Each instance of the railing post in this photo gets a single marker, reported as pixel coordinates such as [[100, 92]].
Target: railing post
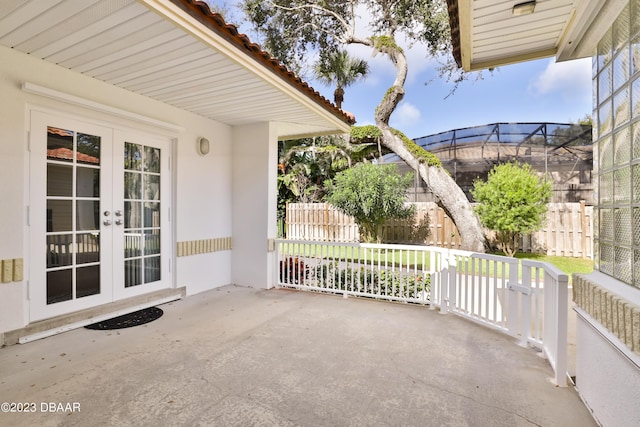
[[444, 283], [276, 270], [453, 301], [561, 309], [525, 325], [512, 316]]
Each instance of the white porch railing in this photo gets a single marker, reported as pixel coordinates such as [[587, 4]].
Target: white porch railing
[[484, 288]]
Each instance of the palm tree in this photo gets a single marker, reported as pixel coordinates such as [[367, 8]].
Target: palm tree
[[342, 70]]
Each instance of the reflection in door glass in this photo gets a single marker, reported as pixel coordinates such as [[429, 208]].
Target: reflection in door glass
[[87, 281], [151, 187], [132, 185], [132, 214], [59, 144], [59, 180], [87, 248], [132, 272], [59, 250], [151, 159], [88, 149], [88, 182], [73, 206], [59, 215], [59, 286], [132, 156], [142, 214], [88, 215]]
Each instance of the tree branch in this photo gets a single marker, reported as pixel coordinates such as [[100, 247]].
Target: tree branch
[[345, 24]]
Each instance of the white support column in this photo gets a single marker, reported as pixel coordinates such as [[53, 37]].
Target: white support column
[[254, 175]]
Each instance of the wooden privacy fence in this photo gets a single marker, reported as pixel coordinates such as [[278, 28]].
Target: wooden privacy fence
[[568, 229]]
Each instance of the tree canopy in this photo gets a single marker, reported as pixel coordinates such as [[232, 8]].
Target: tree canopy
[[292, 29]]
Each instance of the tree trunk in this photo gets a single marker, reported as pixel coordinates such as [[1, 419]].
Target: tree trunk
[[448, 194]]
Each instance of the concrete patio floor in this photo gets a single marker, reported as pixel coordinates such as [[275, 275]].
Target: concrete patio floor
[[238, 356]]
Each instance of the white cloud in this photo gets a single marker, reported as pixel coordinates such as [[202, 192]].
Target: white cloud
[[405, 115], [571, 79]]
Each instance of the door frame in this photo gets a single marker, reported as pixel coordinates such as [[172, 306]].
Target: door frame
[[116, 126]]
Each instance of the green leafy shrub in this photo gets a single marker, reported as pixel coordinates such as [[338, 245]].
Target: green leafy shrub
[[513, 201], [371, 195], [377, 282]]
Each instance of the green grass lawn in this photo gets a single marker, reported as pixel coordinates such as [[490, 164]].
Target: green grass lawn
[[567, 265]]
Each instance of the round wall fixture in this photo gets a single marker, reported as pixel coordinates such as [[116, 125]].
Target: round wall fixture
[[203, 146]]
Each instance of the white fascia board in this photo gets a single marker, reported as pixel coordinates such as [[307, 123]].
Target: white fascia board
[[589, 22], [181, 19], [464, 26]]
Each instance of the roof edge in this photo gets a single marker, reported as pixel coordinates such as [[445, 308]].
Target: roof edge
[[454, 28], [200, 11]]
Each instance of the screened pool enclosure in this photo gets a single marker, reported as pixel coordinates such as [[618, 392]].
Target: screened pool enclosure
[[561, 151]]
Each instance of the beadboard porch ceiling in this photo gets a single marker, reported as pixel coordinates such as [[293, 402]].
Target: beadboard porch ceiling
[[487, 33], [173, 51]]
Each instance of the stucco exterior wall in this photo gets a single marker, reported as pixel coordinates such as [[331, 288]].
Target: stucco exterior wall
[[202, 184], [255, 151]]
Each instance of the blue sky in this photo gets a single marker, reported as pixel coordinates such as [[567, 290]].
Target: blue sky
[[535, 91]]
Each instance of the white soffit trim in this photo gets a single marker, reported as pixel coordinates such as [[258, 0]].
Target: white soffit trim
[[96, 106], [184, 21]]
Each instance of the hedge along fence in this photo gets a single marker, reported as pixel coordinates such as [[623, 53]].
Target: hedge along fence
[[567, 231]]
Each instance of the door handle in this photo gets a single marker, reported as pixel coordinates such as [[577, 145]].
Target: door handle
[[118, 221], [118, 213], [107, 222]]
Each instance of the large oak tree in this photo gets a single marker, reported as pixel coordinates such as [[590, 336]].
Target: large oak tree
[[292, 29]]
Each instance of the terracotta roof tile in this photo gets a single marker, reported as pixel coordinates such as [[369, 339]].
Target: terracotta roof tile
[[454, 25], [200, 11]]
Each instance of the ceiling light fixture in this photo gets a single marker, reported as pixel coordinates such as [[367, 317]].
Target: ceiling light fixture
[[524, 8]]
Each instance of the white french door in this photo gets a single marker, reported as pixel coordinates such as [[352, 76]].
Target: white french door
[[99, 215]]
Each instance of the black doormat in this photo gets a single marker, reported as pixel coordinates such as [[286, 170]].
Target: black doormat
[[128, 320]]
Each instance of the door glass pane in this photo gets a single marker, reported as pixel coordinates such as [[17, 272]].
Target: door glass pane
[[59, 180], [59, 215], [151, 187], [132, 214], [88, 215], [59, 144], [87, 248], [59, 286], [132, 156], [59, 250], [132, 243], [88, 149], [132, 185], [87, 281], [151, 242], [132, 272], [151, 214], [88, 182], [152, 159], [73, 206], [142, 214], [151, 269]]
